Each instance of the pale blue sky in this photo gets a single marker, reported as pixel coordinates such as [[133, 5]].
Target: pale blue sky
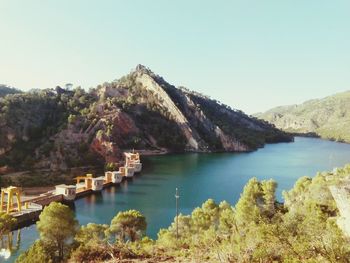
[[252, 55]]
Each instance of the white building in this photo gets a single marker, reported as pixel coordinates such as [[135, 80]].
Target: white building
[[133, 160], [117, 177], [97, 183], [126, 171], [114, 177], [68, 191]]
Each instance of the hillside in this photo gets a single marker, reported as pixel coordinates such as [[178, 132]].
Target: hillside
[[58, 128], [328, 118]]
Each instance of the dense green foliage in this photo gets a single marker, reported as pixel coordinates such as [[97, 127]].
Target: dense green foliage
[[155, 124], [57, 227], [129, 225], [6, 223], [328, 118], [32, 118], [256, 229], [38, 252]]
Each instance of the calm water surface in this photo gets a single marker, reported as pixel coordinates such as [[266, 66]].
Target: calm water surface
[[199, 177]]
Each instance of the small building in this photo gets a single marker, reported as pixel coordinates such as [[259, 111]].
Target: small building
[[117, 177], [90, 183], [108, 177], [68, 191], [114, 177], [126, 171], [97, 183], [84, 183], [133, 160], [137, 167]]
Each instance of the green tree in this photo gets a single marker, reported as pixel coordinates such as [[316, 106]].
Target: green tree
[[227, 221], [91, 233], [247, 209], [37, 253], [268, 191], [129, 225], [167, 237], [296, 193], [57, 228], [206, 216], [111, 166], [6, 223]]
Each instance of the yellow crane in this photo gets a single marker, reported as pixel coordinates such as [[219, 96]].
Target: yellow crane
[[87, 179], [11, 191]]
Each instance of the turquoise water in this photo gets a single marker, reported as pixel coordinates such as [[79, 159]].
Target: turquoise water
[[220, 176]]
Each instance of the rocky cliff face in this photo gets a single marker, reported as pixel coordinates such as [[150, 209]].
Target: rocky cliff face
[[341, 195], [57, 129], [328, 118]]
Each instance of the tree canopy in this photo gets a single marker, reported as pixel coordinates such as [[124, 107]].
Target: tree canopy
[[129, 225], [57, 227], [257, 229]]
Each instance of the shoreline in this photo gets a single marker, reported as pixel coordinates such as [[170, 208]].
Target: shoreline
[[316, 136], [135, 191], [32, 191]]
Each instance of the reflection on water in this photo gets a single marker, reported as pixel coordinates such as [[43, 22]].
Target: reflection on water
[[9, 244], [199, 177]]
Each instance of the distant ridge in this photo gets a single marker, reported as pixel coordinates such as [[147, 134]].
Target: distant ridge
[[6, 90], [328, 118]]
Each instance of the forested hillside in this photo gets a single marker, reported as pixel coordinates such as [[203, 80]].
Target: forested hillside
[[61, 128], [328, 118]]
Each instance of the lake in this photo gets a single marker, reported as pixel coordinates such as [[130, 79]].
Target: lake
[[220, 176]]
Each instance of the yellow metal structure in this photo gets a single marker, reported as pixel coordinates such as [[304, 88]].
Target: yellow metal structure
[[122, 170], [108, 177], [87, 179], [133, 157], [11, 191]]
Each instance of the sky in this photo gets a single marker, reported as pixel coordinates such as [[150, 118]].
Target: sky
[[251, 55]]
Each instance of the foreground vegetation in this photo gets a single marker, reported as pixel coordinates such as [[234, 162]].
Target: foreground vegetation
[[256, 229]]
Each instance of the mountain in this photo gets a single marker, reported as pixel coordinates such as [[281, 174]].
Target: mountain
[[6, 90], [60, 128], [328, 118]]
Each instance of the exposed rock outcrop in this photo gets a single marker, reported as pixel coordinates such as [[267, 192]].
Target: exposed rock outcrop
[[341, 195], [57, 129]]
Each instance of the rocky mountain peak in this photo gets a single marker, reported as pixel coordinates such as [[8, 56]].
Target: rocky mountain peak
[[138, 111], [143, 69]]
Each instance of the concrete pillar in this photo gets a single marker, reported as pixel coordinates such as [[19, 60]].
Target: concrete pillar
[[2, 200], [18, 197], [9, 201]]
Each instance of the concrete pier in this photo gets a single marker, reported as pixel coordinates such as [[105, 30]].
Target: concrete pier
[[28, 211]]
